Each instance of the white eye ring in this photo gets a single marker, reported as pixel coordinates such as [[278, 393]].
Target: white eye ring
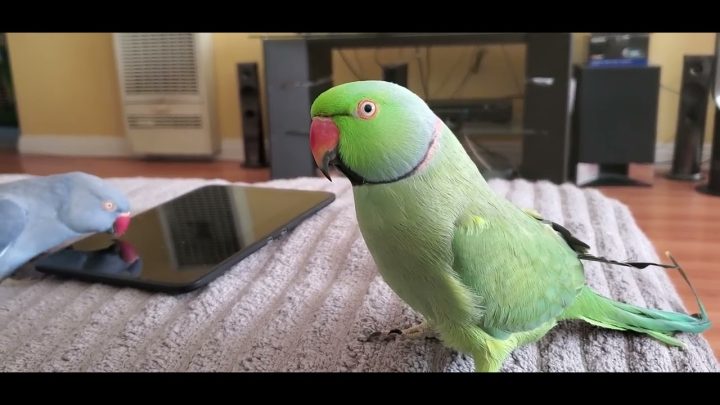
[[367, 109], [109, 205]]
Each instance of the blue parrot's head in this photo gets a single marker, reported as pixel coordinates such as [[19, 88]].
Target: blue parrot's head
[[93, 205]]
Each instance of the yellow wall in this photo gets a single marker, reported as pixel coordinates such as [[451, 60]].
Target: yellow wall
[[229, 49], [67, 83], [667, 50]]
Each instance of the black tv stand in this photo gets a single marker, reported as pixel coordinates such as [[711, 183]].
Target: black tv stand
[[299, 68]]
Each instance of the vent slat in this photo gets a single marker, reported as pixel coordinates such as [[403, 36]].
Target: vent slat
[[164, 121]]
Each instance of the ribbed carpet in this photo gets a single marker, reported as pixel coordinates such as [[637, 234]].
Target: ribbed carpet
[[301, 303]]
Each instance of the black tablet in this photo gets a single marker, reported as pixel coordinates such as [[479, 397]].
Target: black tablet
[[187, 242]]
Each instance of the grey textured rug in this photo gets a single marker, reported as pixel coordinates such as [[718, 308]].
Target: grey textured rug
[[301, 303]]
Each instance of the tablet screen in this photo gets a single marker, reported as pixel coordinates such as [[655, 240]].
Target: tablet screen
[[184, 240]]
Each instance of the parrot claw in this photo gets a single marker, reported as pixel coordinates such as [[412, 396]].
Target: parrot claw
[[413, 332], [377, 336], [373, 336]]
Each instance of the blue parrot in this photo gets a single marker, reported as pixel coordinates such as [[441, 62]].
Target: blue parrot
[[40, 213], [119, 258]]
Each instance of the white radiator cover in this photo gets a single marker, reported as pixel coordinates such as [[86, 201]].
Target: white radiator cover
[[167, 93]]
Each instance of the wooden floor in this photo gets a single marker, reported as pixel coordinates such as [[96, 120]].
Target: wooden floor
[[11, 162], [687, 223], [673, 215]]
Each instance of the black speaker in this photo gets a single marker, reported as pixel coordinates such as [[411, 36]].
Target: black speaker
[[692, 116], [251, 115], [615, 121], [713, 184], [397, 74]]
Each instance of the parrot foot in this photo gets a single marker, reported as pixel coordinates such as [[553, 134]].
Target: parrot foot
[[417, 331], [413, 332]]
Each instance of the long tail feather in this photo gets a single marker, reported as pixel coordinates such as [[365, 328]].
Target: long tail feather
[[637, 265], [641, 265], [661, 325]]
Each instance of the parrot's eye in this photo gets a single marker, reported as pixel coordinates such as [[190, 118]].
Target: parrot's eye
[[367, 109], [109, 206]]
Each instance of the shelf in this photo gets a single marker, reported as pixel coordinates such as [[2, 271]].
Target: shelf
[[513, 131], [399, 39]]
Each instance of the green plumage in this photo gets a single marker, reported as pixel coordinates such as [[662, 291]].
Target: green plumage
[[487, 276]]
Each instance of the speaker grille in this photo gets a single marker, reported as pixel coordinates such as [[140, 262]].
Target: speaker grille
[[250, 114], [159, 63], [692, 115]]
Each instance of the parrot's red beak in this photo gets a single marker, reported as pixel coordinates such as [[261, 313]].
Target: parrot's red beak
[[121, 225], [324, 137]]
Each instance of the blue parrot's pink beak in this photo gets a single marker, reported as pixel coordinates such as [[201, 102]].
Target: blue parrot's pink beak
[[121, 225], [127, 252], [324, 138]]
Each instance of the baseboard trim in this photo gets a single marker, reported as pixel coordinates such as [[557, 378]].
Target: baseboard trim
[[233, 150], [104, 146], [74, 145], [664, 152]]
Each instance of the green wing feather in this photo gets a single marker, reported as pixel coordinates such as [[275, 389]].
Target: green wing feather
[[524, 272]]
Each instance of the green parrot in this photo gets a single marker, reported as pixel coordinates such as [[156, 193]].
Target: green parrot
[[486, 276]]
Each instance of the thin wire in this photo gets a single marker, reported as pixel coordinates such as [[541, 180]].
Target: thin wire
[[465, 79], [347, 63], [703, 314], [427, 60], [376, 56], [359, 64], [451, 70], [422, 73], [671, 90], [512, 71]]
